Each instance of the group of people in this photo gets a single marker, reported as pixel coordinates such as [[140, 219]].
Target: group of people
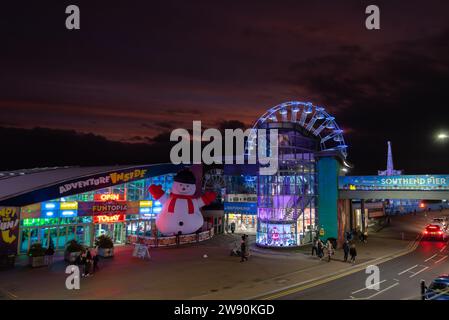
[[88, 262], [319, 248], [361, 235]]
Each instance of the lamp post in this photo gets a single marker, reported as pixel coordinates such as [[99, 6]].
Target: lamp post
[[442, 136]]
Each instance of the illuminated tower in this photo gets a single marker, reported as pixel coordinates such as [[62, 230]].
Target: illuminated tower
[[390, 169]]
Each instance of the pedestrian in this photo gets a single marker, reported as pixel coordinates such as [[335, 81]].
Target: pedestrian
[[360, 235], [232, 227], [346, 250], [243, 249], [96, 258], [314, 247], [353, 253], [330, 250], [320, 249], [82, 262], [87, 263]]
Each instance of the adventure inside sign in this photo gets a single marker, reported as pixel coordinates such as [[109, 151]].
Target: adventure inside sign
[[402, 182]]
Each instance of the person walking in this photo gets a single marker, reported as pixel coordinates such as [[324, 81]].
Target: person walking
[[314, 247], [320, 249], [330, 250], [346, 250], [243, 249], [353, 253], [365, 236], [96, 258], [87, 263]]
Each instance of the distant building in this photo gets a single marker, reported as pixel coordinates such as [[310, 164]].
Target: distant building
[[397, 206]]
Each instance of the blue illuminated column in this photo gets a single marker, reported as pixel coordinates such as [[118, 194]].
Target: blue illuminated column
[[328, 167]]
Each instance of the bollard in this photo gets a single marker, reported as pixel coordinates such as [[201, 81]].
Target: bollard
[[423, 290]]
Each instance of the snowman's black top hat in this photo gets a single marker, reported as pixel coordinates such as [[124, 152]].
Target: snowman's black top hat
[[185, 176]]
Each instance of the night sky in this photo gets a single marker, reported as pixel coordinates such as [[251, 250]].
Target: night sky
[[110, 92]]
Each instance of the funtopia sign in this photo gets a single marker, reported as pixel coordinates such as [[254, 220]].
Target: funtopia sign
[[112, 178], [403, 182]]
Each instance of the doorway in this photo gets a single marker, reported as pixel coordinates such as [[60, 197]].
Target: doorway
[[116, 231]]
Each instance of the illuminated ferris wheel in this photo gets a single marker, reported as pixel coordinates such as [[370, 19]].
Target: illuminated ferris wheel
[[313, 120]]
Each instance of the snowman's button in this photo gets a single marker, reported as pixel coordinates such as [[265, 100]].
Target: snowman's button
[[181, 223]]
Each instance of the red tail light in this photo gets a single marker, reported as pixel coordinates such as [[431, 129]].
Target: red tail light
[[426, 232]]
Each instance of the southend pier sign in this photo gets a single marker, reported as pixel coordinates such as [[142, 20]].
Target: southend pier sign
[[399, 182]]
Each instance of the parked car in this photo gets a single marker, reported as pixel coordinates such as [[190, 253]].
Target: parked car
[[438, 289]]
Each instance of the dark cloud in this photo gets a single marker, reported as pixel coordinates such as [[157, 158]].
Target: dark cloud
[[134, 72], [396, 94]]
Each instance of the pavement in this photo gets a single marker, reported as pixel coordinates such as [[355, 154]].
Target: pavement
[[207, 271]]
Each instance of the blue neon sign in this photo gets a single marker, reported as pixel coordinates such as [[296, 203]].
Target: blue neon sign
[[241, 207], [398, 182]]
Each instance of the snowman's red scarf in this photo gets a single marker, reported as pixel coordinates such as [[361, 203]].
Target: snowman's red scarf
[[174, 197]]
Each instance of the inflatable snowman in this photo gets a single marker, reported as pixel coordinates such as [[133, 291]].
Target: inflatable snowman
[[180, 212]]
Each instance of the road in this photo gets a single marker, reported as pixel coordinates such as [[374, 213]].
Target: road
[[399, 278]]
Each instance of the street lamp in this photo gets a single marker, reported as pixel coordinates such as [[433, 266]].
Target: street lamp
[[442, 136]]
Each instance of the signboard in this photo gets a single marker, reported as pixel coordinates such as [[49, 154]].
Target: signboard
[[398, 182], [321, 232], [249, 208], [109, 197], [102, 208], [9, 229], [141, 251], [91, 183], [109, 218]]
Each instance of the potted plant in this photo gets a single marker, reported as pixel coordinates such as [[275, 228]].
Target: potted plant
[[105, 246], [36, 255], [7, 259], [72, 251], [49, 255]]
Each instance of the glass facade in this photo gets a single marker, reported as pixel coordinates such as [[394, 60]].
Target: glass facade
[[240, 207], [287, 200], [59, 221]]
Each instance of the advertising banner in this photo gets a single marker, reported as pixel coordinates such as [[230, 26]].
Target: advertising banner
[[9, 229], [240, 208], [93, 208], [92, 182], [400, 182]]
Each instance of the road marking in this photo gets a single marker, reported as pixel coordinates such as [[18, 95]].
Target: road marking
[[383, 290], [441, 259], [442, 249], [431, 257], [10, 295], [371, 285], [419, 272], [407, 270], [298, 287], [395, 279]]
